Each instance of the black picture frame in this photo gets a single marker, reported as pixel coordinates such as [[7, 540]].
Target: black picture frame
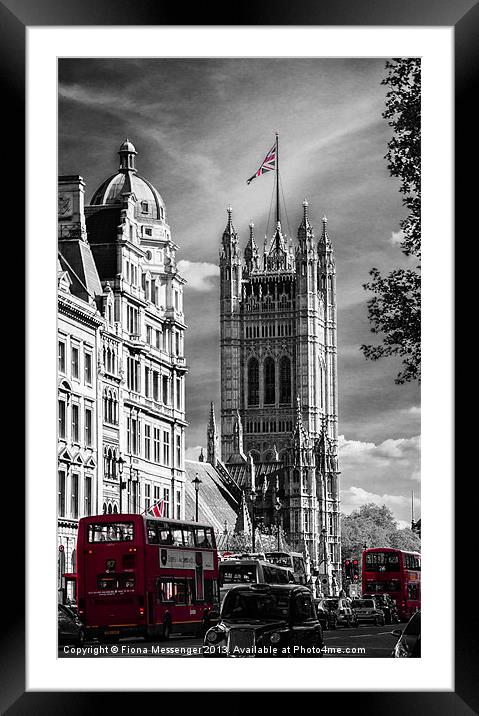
[[15, 17]]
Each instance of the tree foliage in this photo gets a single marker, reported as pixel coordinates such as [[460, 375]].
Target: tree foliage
[[395, 309], [374, 526]]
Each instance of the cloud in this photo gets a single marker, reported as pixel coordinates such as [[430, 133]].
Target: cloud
[[354, 497], [382, 473], [413, 410], [397, 237], [193, 453], [198, 274]]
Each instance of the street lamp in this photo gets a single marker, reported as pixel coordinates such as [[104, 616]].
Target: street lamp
[[121, 462], [197, 482], [253, 520], [278, 505]]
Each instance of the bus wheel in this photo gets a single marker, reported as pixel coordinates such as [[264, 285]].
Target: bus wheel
[[166, 630]]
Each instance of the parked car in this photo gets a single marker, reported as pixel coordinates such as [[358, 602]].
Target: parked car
[[342, 608], [367, 610], [327, 617], [70, 628], [387, 605], [408, 644], [266, 620]]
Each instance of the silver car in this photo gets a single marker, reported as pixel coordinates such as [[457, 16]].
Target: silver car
[[367, 610]]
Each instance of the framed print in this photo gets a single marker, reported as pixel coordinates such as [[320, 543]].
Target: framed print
[[191, 438]]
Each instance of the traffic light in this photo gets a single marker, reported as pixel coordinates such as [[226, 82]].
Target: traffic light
[[355, 567], [347, 568]]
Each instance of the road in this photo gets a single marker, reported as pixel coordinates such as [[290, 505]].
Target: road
[[366, 641]]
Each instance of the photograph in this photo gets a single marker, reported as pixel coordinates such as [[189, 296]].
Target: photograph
[[238, 282]]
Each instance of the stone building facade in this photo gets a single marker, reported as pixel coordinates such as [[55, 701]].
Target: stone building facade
[[279, 409], [117, 261]]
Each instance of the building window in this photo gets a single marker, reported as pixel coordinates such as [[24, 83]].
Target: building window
[[156, 377], [285, 380], [132, 320], [178, 505], [88, 368], [166, 497], [75, 423], [144, 207], [156, 445], [75, 362], [177, 343], [147, 382], [156, 493], [88, 426], [158, 339], [148, 335], [166, 447], [269, 380], [133, 371], [88, 504], [61, 356], [178, 393], [147, 441], [178, 451], [74, 496], [62, 419], [165, 389], [133, 435], [147, 496], [148, 233], [61, 492], [253, 382]]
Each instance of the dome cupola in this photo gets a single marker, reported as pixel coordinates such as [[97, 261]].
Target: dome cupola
[[127, 180]]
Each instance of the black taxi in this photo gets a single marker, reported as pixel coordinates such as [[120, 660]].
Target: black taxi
[[263, 620]]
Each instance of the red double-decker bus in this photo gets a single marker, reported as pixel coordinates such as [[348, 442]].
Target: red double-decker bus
[[142, 575], [394, 572]]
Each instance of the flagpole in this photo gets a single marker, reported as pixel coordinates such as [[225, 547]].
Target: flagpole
[[277, 177]]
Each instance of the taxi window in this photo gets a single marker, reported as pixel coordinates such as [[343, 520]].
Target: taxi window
[[303, 607]]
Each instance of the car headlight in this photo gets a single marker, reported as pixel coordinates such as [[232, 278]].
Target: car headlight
[[275, 637], [212, 636]]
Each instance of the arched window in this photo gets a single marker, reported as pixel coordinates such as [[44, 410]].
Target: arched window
[[104, 508], [115, 509], [253, 382], [109, 509], [285, 380], [269, 380]]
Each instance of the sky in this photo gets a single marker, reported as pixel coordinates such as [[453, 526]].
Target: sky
[[201, 127]]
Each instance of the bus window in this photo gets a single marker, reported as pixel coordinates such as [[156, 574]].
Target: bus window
[[298, 565], [110, 532], [203, 537], [164, 534], [382, 562], [176, 591], [188, 536], [176, 536], [211, 591], [237, 574], [412, 591], [152, 532]]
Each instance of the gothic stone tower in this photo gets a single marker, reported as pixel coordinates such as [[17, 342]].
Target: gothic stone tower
[[279, 380]]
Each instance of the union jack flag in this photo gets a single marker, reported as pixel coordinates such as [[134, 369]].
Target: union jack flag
[[268, 164], [158, 509]]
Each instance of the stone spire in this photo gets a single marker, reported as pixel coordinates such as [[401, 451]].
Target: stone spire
[[212, 439], [251, 252], [305, 230]]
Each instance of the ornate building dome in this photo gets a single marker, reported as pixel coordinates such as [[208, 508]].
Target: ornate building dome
[[127, 179]]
